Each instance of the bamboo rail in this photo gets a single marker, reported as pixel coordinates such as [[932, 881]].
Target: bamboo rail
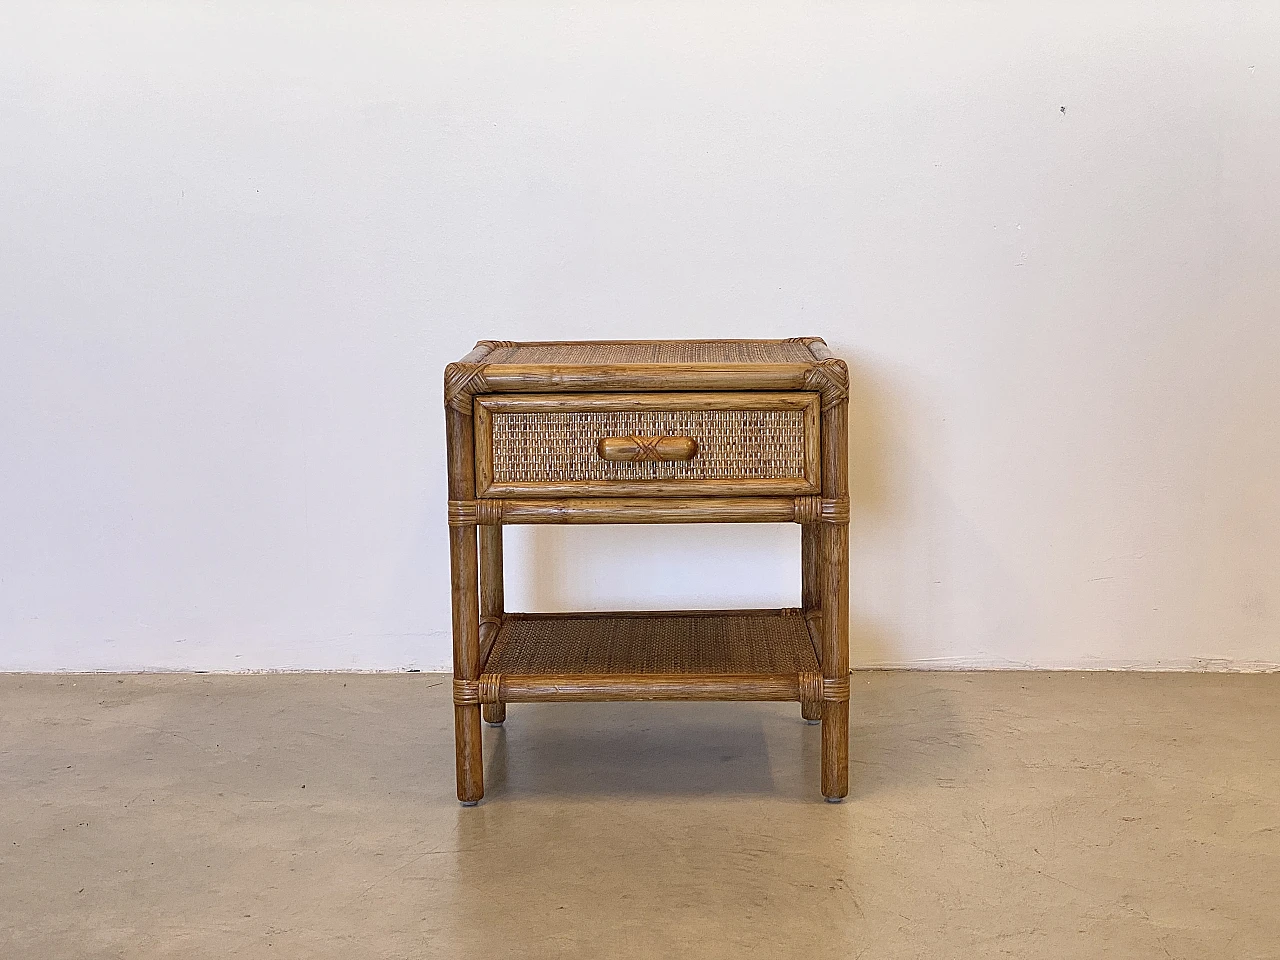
[[492, 512], [570, 688]]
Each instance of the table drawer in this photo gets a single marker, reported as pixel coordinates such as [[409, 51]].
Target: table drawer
[[647, 444]]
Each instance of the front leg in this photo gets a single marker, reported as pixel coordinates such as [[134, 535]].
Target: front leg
[[466, 661], [835, 659]]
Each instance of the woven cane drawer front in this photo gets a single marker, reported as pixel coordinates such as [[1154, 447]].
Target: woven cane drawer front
[[731, 444], [742, 444]]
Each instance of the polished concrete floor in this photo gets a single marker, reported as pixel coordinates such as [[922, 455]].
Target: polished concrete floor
[[1012, 814]]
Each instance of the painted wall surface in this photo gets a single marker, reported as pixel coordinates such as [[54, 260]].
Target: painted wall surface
[[239, 242]]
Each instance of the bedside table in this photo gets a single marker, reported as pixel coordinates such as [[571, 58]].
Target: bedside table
[[697, 431]]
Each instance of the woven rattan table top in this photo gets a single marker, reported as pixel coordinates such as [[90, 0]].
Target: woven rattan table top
[[503, 366], [585, 353]]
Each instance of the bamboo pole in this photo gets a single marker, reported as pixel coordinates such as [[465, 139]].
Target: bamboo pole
[[464, 586], [491, 607], [834, 564]]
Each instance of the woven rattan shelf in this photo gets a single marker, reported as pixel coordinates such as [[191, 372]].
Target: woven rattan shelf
[[648, 432], [662, 642]]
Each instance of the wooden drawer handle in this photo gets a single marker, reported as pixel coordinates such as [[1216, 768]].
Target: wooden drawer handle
[[647, 448]]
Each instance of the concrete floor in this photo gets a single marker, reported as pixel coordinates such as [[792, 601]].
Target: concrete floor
[[1024, 815]]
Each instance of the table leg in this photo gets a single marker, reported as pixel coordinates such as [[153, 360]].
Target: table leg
[[810, 598], [495, 714], [835, 658], [466, 661], [491, 599], [833, 561]]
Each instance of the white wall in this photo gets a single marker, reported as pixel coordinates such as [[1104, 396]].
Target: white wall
[[241, 240]]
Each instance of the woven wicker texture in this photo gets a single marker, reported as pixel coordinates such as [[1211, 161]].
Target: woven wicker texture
[[732, 444], [677, 351], [767, 642]]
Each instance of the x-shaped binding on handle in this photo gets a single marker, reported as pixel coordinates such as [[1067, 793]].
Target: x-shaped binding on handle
[[639, 449]]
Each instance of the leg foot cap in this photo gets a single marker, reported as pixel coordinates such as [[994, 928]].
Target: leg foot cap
[[468, 803], [834, 799]]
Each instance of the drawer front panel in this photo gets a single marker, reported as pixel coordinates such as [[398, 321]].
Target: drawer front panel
[[552, 445]]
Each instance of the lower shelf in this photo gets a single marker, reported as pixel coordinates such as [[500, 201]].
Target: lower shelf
[[699, 655]]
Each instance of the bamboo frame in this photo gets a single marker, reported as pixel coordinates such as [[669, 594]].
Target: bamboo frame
[[478, 508]]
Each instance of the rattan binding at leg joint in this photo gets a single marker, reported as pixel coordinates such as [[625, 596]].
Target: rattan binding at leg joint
[[468, 513], [818, 510], [810, 688], [836, 689], [815, 688], [465, 692], [488, 689]]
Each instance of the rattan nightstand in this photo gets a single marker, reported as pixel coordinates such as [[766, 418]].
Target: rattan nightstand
[[699, 431]]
